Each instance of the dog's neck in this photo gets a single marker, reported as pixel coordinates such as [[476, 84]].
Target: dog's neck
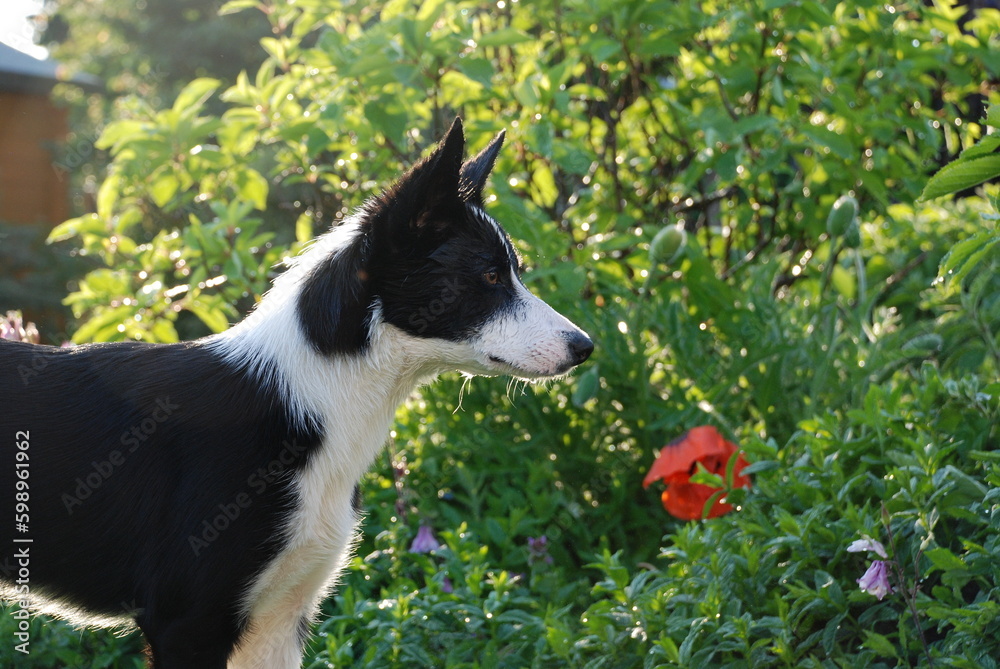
[[351, 398]]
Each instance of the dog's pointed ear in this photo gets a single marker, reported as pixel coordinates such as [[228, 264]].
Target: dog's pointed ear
[[476, 171], [442, 168], [450, 152], [437, 190], [427, 195]]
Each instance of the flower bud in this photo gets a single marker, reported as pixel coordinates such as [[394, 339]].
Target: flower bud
[[668, 245], [842, 214], [852, 238]]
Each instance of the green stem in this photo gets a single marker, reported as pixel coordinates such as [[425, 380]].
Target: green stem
[[908, 596]]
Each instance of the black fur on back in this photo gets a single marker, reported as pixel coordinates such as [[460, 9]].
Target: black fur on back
[[96, 523]]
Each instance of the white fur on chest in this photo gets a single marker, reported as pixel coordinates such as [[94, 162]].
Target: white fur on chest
[[361, 395], [353, 400]]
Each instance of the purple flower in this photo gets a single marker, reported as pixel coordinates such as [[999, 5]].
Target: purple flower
[[876, 580], [10, 327], [868, 544], [13, 328], [424, 542], [446, 586], [538, 550]]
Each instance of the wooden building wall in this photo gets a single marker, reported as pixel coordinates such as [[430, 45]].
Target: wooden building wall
[[32, 191]]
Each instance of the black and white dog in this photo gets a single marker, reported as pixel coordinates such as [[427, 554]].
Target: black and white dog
[[207, 490]]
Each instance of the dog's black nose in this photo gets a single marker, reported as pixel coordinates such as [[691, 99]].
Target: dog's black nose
[[580, 347]]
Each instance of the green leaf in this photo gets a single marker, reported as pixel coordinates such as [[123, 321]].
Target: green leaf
[[945, 560], [659, 46], [760, 466], [214, 317], [962, 174], [571, 158], [368, 64], [275, 48], [163, 331], [304, 227], [993, 116], [495, 532], [602, 49], [194, 95], [837, 143], [966, 255], [163, 186], [503, 37], [429, 11], [586, 386], [967, 490], [587, 92], [76, 226], [105, 320], [234, 6], [705, 477], [107, 196], [388, 118], [879, 643], [751, 124], [121, 132], [545, 185], [252, 187], [844, 282], [958, 254], [983, 147], [239, 136]]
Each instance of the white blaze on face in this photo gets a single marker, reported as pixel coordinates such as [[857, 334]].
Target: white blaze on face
[[530, 339]]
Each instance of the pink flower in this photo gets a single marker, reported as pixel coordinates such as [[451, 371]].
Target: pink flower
[[424, 542], [876, 580], [10, 327], [13, 327], [868, 544]]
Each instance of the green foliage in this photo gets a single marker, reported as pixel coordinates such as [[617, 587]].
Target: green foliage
[[35, 274], [153, 49], [53, 643], [851, 373], [620, 114], [975, 165]]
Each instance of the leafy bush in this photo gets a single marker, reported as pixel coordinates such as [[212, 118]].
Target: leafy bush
[[911, 440], [861, 389]]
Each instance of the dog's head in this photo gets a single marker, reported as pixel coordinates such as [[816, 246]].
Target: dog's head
[[429, 261]]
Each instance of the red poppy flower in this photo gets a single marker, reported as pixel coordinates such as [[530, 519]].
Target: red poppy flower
[[678, 462]]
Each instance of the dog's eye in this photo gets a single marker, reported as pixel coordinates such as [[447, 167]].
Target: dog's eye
[[492, 277]]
